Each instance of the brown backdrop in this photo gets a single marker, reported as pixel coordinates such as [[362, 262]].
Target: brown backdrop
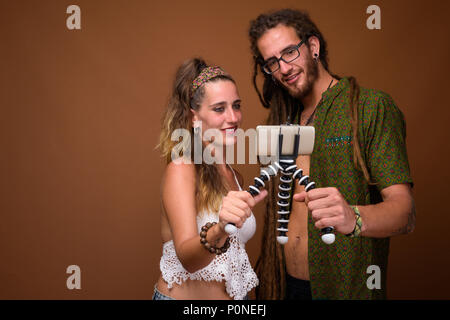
[[80, 117]]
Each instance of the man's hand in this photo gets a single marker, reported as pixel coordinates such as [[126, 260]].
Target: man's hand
[[328, 209]]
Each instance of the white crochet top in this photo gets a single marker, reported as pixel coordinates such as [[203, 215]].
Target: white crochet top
[[233, 266]]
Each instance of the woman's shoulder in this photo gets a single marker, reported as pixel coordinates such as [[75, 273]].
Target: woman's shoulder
[[179, 172], [178, 182], [180, 167]]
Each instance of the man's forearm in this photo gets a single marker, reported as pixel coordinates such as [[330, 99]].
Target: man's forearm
[[394, 216]]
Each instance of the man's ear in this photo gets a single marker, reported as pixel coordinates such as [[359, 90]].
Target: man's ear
[[314, 46]]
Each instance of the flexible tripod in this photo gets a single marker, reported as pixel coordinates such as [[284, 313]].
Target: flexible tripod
[[289, 174]]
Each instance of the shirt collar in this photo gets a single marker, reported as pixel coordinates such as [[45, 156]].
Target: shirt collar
[[329, 95], [335, 90]]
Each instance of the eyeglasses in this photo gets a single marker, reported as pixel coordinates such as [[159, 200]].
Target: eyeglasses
[[289, 55]]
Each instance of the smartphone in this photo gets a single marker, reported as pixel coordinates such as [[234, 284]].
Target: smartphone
[[268, 141]]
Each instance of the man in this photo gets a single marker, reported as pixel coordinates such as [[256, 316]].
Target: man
[[359, 164]]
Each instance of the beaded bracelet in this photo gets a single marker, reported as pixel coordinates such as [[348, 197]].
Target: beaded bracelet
[[208, 246], [358, 225]]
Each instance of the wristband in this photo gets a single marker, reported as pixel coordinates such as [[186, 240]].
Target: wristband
[[358, 225]]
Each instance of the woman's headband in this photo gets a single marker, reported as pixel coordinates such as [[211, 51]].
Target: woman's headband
[[205, 75]]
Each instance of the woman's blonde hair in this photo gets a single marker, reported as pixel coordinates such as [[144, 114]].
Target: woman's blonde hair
[[210, 186]]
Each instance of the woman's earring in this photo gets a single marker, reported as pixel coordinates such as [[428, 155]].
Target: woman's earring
[[316, 56]]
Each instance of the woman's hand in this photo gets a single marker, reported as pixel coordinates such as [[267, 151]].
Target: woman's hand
[[237, 207]]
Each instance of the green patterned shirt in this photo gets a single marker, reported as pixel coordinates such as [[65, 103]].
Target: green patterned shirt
[[339, 271]]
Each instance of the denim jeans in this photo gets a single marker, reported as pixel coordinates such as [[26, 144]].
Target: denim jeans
[[159, 296]]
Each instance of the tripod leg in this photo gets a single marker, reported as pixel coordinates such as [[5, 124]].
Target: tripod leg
[[328, 236]]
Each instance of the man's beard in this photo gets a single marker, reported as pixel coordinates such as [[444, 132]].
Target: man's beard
[[311, 77]]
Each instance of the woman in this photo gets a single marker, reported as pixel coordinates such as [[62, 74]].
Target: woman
[[200, 260]]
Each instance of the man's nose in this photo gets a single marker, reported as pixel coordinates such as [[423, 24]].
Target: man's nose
[[285, 67]]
